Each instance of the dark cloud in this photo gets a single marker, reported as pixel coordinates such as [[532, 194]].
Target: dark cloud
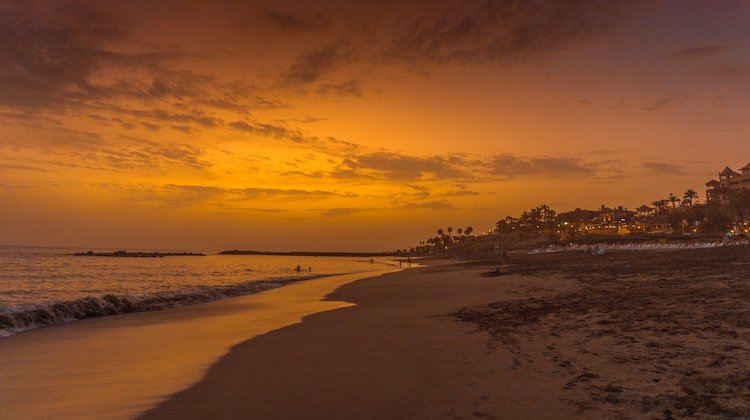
[[292, 23], [460, 193], [313, 65], [422, 191], [666, 102], [394, 166], [459, 167], [703, 51], [341, 211], [500, 31], [270, 130], [509, 166], [51, 51], [661, 168], [196, 193], [350, 88], [432, 205]]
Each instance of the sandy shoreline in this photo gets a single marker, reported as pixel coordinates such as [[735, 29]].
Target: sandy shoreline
[[645, 335], [393, 355], [119, 366], [652, 335]]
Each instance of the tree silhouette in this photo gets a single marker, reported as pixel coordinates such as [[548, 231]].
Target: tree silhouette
[[440, 232], [673, 199], [468, 230], [689, 197]]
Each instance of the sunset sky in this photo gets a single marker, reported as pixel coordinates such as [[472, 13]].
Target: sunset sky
[[345, 125]]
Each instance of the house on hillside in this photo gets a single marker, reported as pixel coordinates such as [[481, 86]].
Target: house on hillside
[[729, 180]]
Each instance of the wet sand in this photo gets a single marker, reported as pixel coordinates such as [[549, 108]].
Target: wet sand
[[119, 366], [396, 354]]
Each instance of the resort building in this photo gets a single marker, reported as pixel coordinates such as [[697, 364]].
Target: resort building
[[729, 180]]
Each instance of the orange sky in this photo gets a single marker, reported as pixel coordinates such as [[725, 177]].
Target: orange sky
[[328, 125]]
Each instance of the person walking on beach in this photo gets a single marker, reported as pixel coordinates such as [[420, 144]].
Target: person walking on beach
[[408, 261], [399, 263]]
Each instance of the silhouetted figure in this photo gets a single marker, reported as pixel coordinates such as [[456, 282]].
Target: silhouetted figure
[[298, 268], [371, 261], [309, 269], [399, 263], [408, 261]]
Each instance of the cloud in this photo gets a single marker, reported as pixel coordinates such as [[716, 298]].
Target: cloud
[[271, 130], [312, 65], [703, 51], [350, 88], [395, 166], [254, 192], [292, 23], [666, 102], [661, 168], [431, 205], [499, 31], [509, 166], [341, 211]]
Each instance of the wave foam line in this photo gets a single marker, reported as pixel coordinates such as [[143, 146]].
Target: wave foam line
[[93, 307]]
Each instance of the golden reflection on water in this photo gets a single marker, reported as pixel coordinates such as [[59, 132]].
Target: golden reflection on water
[[117, 367]]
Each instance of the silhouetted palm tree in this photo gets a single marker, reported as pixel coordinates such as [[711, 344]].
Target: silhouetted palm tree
[[659, 204], [459, 231], [673, 199], [440, 232], [468, 230], [690, 197]]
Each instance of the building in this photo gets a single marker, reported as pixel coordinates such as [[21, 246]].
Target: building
[[645, 211], [729, 180], [618, 214]]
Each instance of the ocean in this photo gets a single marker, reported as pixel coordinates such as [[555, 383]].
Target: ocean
[[45, 286]]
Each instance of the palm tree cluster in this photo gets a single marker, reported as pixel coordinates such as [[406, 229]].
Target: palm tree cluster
[[449, 240], [689, 198], [536, 219]]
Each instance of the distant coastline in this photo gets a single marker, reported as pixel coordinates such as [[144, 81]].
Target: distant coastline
[[307, 254], [127, 254]]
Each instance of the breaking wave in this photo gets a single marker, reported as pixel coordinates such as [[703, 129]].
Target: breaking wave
[[23, 319]]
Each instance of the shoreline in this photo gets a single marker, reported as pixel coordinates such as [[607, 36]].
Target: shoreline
[[119, 366], [551, 336], [90, 307], [396, 353]]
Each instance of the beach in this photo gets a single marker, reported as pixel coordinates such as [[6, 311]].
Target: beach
[[569, 335]]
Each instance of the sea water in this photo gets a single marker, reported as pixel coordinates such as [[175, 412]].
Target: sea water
[[44, 286]]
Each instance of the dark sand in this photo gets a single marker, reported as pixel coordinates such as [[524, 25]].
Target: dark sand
[[642, 334]]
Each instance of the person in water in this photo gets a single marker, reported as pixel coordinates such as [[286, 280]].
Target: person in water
[[298, 268]]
